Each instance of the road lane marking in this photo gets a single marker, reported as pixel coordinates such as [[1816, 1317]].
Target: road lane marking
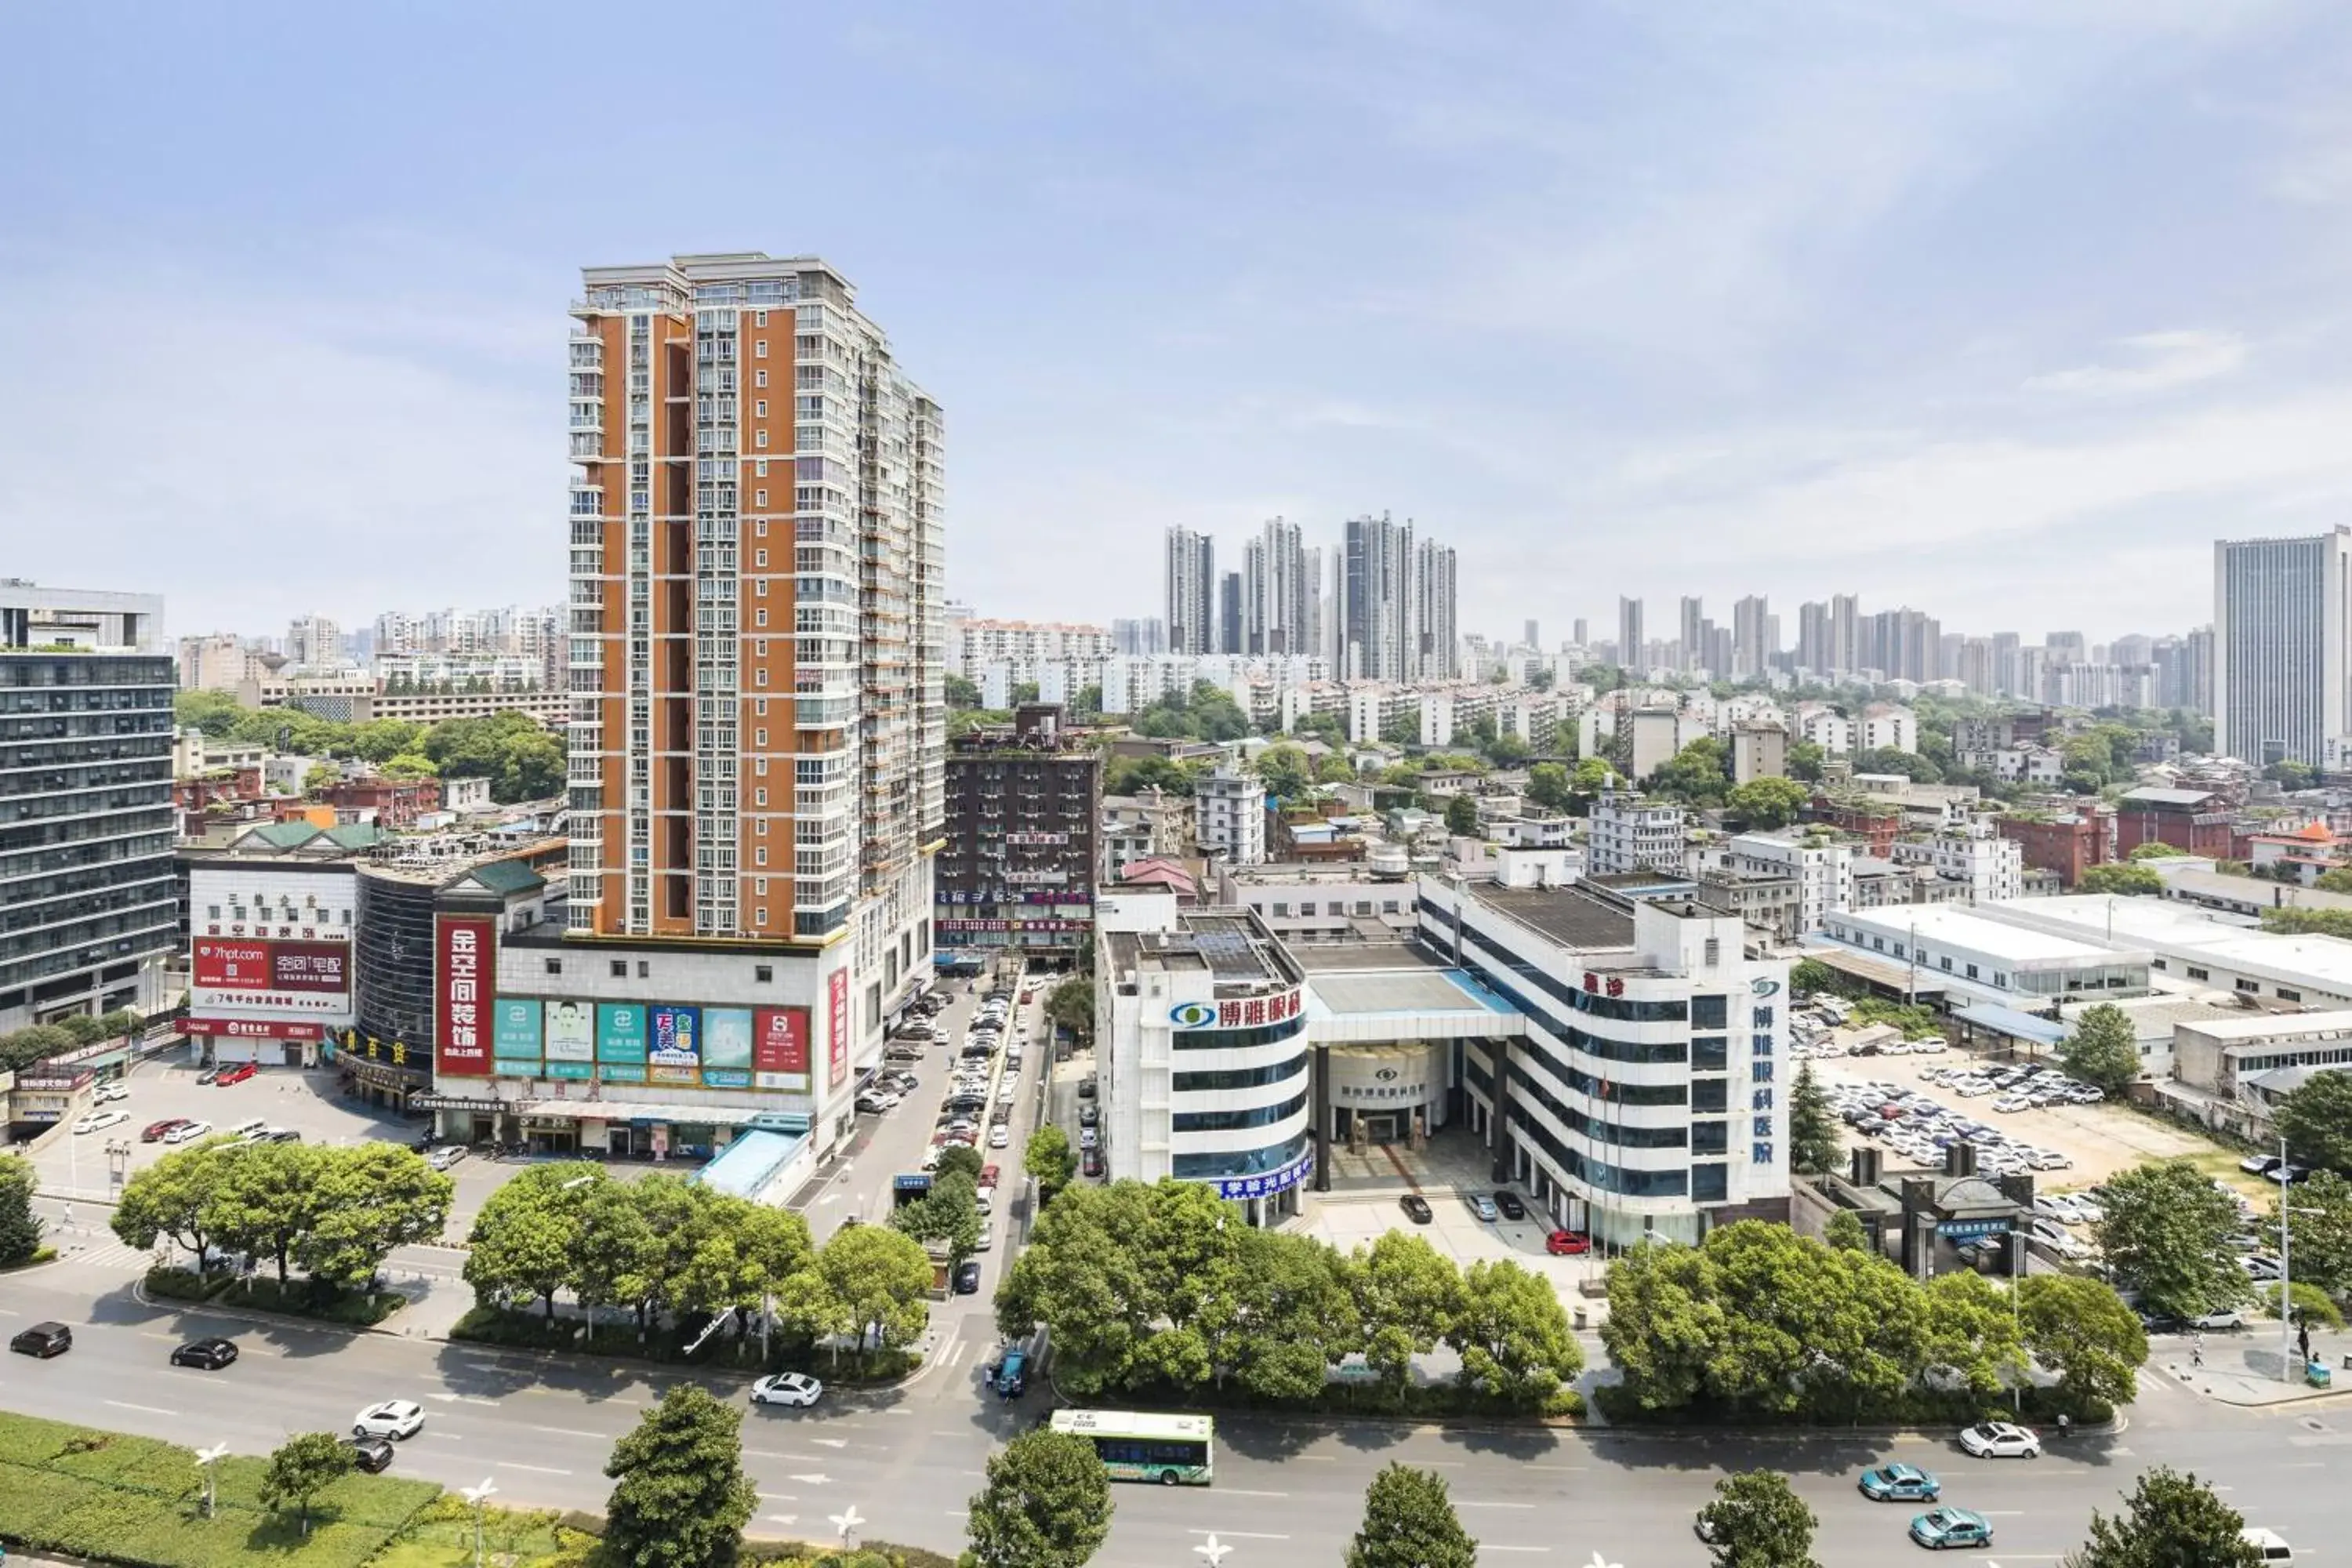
[[1237, 1491], [535, 1470], [146, 1409], [832, 1442], [1252, 1535], [1490, 1546], [1466, 1502], [569, 1432]]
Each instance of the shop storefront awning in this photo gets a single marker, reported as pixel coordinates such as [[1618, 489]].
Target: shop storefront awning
[[634, 1111]]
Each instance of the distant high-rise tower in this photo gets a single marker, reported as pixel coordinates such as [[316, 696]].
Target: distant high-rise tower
[[314, 642], [2282, 646], [1751, 645], [1376, 625], [1277, 592], [1435, 654], [1629, 636], [1232, 619], [1191, 577], [1691, 634]]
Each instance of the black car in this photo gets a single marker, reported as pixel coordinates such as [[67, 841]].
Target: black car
[[1091, 1161], [1085, 1089], [1416, 1208], [43, 1340], [1510, 1206], [2163, 1323], [210, 1354], [967, 1277], [372, 1455]]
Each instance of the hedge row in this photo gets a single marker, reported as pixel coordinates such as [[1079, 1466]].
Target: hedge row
[[139, 1500], [1920, 1408], [261, 1293], [513, 1328]]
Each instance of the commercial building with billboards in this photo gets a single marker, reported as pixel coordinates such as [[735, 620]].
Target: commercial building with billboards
[[270, 966], [1024, 806]]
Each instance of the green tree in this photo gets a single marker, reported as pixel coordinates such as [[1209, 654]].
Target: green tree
[[1889, 759], [2304, 1303], [1462, 815], [31, 1044], [1812, 1130], [525, 1239], [680, 1498], [1410, 1523], [1050, 1160], [1290, 1318], [2291, 775], [1845, 1230], [867, 1280], [2134, 880], [1756, 1520], [410, 765], [319, 779], [1286, 772], [961, 692], [1768, 802], [371, 1199], [1805, 762], [2103, 1049], [2157, 849], [949, 1214], [1046, 1505], [2319, 1230], [1547, 787], [300, 1469], [2308, 922], [1812, 976], [214, 712], [267, 1196], [20, 1227], [2166, 1233], [2170, 1521], [1700, 774], [1071, 1005], [1974, 1338], [2080, 1328], [2315, 1120], [177, 1196], [2338, 881], [960, 1158], [381, 740], [1512, 1334], [1402, 729], [1407, 1294]]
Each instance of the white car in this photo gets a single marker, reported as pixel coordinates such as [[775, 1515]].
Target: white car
[[987, 1237], [189, 1133], [111, 1091], [787, 1388], [1000, 1137], [2052, 1207], [1087, 1139], [98, 1121], [394, 1418], [2000, 1440]]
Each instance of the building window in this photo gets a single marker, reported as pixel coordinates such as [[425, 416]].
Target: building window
[[2249, 987], [1709, 1053], [1972, 970], [213, 913], [2197, 974], [760, 916], [763, 973], [555, 966], [758, 318], [645, 970], [2287, 996], [620, 968], [760, 408], [760, 378], [1708, 1183], [760, 498], [759, 437], [1709, 1137], [1710, 1011], [1713, 951], [1709, 1094], [759, 348], [760, 467]]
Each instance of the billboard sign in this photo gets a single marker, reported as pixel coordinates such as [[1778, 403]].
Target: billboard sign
[[620, 1042], [727, 1048], [571, 1040], [780, 1048], [836, 1007], [254, 1028], [677, 1049], [261, 975], [461, 994], [514, 1037]]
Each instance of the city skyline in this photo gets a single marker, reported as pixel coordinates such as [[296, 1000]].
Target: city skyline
[[1897, 301]]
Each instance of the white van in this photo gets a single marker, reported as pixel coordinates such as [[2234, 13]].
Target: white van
[[249, 1128], [2274, 1549]]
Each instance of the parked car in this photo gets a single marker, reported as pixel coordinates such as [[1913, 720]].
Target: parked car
[[1907, 1483], [1085, 1089], [794, 1388], [1091, 1163], [43, 1340], [447, 1156], [1010, 1376], [188, 1133], [236, 1072], [394, 1418], [1568, 1244], [2000, 1440], [155, 1131], [100, 1121], [209, 1074], [967, 1277], [1416, 1208], [999, 1136], [111, 1091], [1483, 1206], [1945, 1526], [1508, 1202], [209, 1355]]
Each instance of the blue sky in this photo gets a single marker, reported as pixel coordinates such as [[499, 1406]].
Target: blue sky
[[2003, 310]]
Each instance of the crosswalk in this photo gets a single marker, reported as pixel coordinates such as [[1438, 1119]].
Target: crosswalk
[[92, 1246]]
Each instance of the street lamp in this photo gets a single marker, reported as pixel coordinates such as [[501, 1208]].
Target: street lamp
[[477, 1497], [207, 1459], [2287, 1366], [847, 1521]]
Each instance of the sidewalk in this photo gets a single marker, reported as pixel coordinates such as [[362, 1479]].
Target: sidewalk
[[2246, 1367]]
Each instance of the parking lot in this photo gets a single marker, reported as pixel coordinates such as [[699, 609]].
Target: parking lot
[[2098, 1141]]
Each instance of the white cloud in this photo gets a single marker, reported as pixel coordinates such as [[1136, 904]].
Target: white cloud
[[2151, 362]]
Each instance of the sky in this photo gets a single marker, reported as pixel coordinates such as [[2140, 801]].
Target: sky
[[2001, 311]]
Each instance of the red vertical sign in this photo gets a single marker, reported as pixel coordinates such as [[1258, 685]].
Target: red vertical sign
[[837, 1064], [461, 995]]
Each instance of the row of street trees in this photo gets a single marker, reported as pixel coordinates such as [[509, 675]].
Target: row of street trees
[[24, 1046], [665, 1248], [1758, 1320], [1163, 1288], [334, 1213], [2166, 1232]]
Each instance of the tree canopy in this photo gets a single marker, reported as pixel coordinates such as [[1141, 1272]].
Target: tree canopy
[[1047, 1504], [2103, 1048], [2315, 1120], [2170, 1521], [1769, 802], [1756, 1520], [2166, 1233], [1410, 1523], [680, 1498], [2135, 880]]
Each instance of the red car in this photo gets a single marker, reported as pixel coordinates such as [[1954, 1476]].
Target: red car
[[237, 1072], [1568, 1243], [154, 1131]]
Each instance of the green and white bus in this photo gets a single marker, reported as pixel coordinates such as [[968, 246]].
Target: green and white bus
[[1137, 1446]]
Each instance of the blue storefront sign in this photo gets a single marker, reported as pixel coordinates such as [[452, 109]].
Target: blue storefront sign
[[1963, 1229], [1271, 1182]]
